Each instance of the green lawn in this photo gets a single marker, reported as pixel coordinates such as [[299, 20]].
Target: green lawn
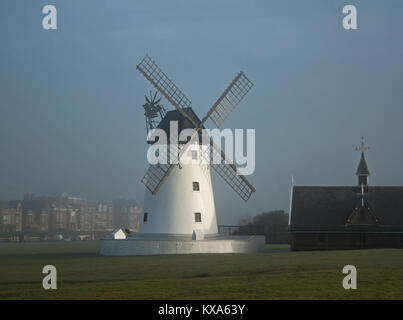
[[275, 274]]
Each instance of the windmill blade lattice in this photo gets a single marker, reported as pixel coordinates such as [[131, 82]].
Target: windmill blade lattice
[[227, 170], [159, 79], [230, 98], [156, 174]]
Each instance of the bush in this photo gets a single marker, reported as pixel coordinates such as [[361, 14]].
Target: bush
[[272, 224]]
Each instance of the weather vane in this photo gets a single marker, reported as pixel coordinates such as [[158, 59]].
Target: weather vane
[[362, 147]]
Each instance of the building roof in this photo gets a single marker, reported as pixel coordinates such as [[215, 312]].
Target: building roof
[[329, 208], [362, 169], [183, 123], [363, 215]]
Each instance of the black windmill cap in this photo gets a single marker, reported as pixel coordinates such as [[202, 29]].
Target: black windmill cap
[[183, 122]]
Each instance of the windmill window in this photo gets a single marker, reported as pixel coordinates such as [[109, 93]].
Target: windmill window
[[145, 218], [197, 217], [196, 186], [194, 154]]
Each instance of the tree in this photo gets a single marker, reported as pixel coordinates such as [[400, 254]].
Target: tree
[[272, 224]]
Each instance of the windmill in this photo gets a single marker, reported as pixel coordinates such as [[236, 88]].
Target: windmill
[[179, 199]]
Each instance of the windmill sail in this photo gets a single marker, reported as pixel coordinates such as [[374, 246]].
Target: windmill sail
[[230, 98], [227, 102], [155, 175], [159, 79], [227, 170]]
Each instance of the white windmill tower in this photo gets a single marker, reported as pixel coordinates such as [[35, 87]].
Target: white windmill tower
[[184, 202]]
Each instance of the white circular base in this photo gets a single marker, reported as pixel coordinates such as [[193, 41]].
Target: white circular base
[[161, 245]]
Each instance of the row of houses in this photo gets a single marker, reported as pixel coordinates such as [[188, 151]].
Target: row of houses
[[66, 215]]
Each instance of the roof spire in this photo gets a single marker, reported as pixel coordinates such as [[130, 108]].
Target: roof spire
[[362, 170]]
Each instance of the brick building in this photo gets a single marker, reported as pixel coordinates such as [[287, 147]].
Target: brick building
[[10, 217], [346, 217]]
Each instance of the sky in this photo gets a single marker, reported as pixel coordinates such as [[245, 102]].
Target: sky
[[71, 117]]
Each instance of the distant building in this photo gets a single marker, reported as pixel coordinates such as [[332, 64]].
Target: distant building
[[110, 215], [126, 214], [44, 221], [10, 217], [104, 216], [346, 217], [86, 218], [58, 219], [29, 218], [43, 217]]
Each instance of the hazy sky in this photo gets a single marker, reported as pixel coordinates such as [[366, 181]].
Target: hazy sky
[[71, 118]]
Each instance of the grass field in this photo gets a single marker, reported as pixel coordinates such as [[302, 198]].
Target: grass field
[[275, 274]]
